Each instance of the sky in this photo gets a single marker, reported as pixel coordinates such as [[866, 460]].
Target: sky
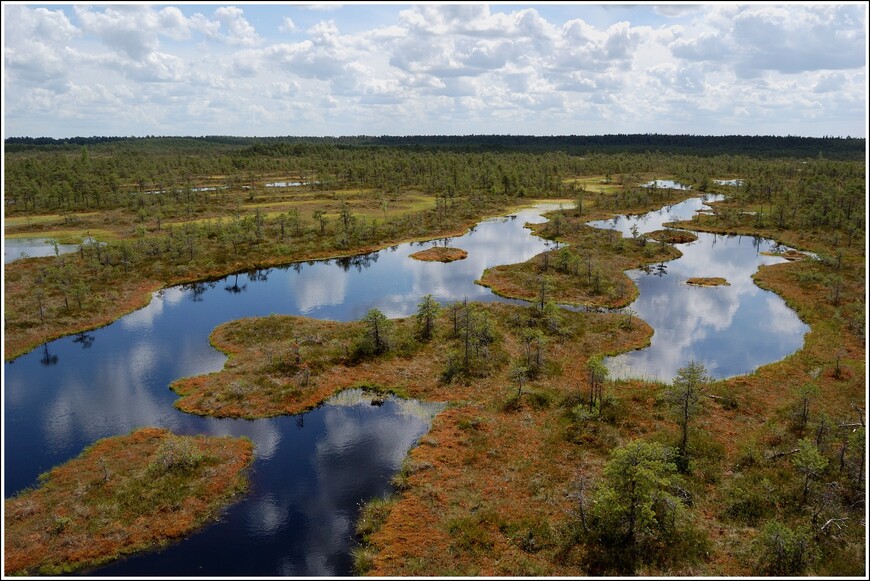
[[434, 68]]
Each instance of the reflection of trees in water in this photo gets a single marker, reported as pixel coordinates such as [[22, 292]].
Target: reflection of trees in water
[[359, 262], [659, 269], [198, 289], [259, 275], [86, 339], [47, 358], [757, 243], [234, 287]]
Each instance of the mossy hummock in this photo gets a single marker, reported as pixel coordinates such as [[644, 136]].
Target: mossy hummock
[[440, 254], [122, 495]]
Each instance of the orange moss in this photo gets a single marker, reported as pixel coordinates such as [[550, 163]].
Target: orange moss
[[596, 277], [122, 495], [707, 281], [440, 254], [672, 236], [480, 469]]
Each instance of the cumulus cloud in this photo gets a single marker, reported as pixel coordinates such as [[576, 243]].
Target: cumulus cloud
[[238, 29], [784, 39], [129, 29], [246, 63], [454, 67], [46, 26], [36, 51], [287, 25]]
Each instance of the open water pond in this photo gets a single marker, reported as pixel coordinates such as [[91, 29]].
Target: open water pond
[[668, 184], [735, 182], [730, 329], [312, 474], [308, 481], [66, 394], [16, 248], [285, 184]]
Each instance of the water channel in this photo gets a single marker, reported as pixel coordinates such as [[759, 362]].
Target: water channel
[[312, 472], [730, 329]]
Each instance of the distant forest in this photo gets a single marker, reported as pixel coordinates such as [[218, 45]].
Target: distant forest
[[838, 148]]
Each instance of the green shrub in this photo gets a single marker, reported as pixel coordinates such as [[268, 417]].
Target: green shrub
[[748, 499], [539, 400], [636, 517], [176, 454], [363, 560], [781, 551]]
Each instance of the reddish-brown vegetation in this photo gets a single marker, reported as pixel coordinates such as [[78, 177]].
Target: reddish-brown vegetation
[[707, 281], [672, 236], [440, 254], [590, 271], [121, 495]]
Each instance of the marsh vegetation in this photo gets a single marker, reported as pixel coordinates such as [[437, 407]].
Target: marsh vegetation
[[122, 495], [542, 463]]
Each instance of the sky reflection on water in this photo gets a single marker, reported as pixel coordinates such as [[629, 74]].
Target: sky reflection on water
[[66, 394], [730, 329]]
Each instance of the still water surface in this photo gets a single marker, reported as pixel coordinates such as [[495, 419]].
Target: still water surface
[[16, 248], [307, 483], [308, 480], [730, 329]]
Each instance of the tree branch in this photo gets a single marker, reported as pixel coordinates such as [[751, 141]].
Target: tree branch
[[835, 521], [780, 454]]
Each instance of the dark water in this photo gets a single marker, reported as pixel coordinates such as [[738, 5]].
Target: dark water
[[308, 482], [312, 474], [730, 329], [70, 392]]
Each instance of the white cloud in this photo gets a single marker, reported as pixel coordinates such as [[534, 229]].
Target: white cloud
[[829, 82], [246, 63], [287, 25], [282, 90], [36, 51], [239, 30], [461, 68], [127, 28], [684, 79], [708, 46], [786, 39], [37, 24], [322, 7]]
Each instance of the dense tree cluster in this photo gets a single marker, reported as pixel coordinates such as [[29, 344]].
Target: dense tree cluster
[[704, 145]]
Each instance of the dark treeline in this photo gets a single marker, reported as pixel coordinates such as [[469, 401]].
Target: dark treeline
[[703, 145]]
